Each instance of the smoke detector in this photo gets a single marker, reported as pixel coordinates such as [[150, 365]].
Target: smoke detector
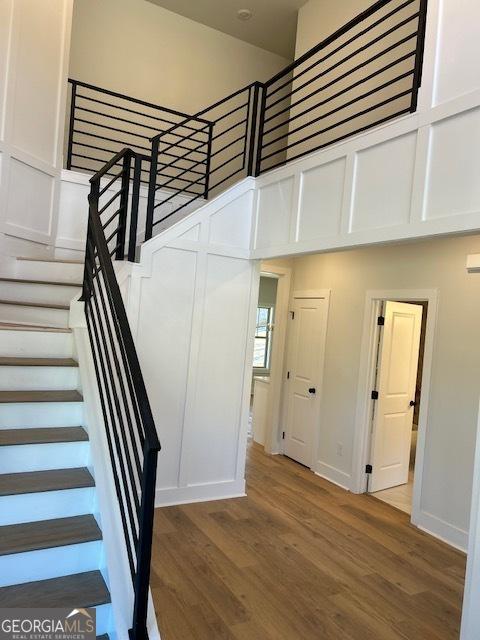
[[244, 14]]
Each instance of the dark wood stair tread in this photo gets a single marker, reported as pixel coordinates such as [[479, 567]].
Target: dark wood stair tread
[[69, 395], [45, 534], [55, 283], [26, 303], [80, 590], [42, 435], [8, 361], [54, 260], [41, 481], [20, 326]]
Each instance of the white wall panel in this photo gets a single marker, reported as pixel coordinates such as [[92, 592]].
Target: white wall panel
[[6, 10], [274, 213], [29, 202], [163, 341], [458, 50], [228, 228], [34, 49], [453, 185], [383, 184], [34, 94], [321, 197], [212, 428]]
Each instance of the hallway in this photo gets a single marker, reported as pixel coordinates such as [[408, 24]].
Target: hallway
[[300, 559]]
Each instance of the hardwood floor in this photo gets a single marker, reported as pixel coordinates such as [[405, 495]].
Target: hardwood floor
[[301, 559]]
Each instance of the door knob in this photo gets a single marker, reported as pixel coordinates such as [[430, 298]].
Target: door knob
[[412, 403], [312, 390]]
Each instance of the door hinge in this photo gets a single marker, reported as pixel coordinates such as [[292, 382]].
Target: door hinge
[[283, 435], [381, 321], [368, 468], [293, 314], [288, 375], [374, 395]]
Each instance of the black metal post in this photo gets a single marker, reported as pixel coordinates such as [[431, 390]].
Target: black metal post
[[253, 128], [137, 176], [93, 199], [417, 75], [122, 216], [209, 158], [71, 124], [152, 184], [144, 549], [261, 126]]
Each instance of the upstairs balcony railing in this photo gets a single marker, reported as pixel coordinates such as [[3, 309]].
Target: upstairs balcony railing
[[365, 74]]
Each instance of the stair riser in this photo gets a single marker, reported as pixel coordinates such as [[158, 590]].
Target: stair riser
[[38, 378], [42, 293], [53, 271], [104, 619], [41, 414], [42, 316], [32, 507], [43, 457], [44, 564], [35, 344]]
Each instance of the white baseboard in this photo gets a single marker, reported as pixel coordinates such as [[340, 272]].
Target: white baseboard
[[200, 493], [444, 531], [332, 474]]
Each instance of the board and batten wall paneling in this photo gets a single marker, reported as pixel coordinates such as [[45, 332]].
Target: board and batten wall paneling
[[191, 303], [34, 50]]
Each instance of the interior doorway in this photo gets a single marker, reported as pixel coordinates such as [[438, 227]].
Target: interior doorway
[[398, 369], [268, 361]]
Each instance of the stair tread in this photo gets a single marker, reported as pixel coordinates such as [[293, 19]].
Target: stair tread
[[41, 481], [11, 361], [16, 326], [42, 305], [68, 395], [80, 590], [56, 283], [54, 260], [45, 534], [42, 435]]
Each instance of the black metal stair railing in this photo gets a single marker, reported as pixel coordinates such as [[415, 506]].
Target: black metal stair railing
[[130, 429], [103, 122], [365, 74], [212, 149]]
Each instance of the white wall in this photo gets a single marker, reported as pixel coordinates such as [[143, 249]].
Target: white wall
[[34, 47], [453, 403], [145, 51], [191, 303]]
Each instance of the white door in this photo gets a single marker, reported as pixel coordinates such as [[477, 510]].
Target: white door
[[396, 381], [305, 365]]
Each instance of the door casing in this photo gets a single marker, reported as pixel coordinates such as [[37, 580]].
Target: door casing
[[364, 407]]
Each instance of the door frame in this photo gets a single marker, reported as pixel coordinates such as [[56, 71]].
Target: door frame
[[277, 355], [308, 294], [366, 380]]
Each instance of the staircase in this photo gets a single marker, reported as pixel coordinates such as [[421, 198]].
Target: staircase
[[51, 551]]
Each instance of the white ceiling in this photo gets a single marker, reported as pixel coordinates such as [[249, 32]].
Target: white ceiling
[[272, 26]]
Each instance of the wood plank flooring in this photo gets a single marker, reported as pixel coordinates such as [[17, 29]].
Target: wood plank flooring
[[300, 559]]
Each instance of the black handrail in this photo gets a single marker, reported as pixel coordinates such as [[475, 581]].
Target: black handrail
[[130, 429], [95, 112]]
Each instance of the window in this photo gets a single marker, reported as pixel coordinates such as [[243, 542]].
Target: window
[[261, 354]]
